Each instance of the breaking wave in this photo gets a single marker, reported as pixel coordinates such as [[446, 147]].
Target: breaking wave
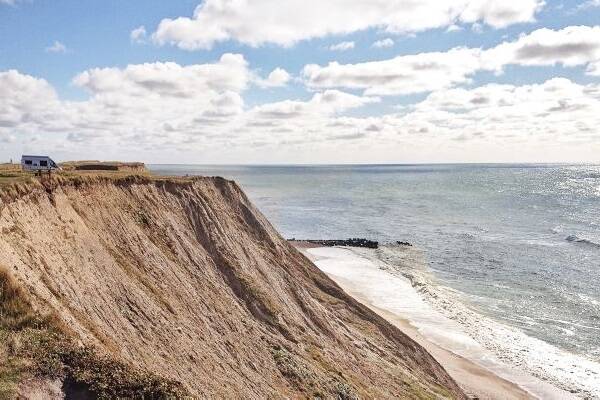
[[579, 240], [570, 372]]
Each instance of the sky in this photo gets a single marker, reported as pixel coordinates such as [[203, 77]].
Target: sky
[[301, 81]]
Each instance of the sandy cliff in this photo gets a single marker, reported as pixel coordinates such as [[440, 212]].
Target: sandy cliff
[[186, 281]]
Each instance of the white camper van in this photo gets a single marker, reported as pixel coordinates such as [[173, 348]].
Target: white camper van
[[38, 163]]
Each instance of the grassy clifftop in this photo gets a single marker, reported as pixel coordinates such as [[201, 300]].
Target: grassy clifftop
[[11, 174], [16, 183]]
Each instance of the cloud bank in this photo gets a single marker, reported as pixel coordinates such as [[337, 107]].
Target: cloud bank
[[143, 108], [426, 72], [258, 22]]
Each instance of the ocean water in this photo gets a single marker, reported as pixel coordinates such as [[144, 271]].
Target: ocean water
[[518, 245]]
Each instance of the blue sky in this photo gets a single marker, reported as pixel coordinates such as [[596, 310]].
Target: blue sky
[[297, 116]]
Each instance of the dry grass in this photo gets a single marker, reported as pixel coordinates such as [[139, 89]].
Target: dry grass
[[103, 165], [16, 312], [16, 315], [11, 174]]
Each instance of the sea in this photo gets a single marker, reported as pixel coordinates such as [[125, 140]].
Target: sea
[[509, 252]]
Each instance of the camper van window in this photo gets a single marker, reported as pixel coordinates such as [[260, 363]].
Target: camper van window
[[43, 163], [27, 162]]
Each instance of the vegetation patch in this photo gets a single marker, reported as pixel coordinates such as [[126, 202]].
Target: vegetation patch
[[9, 370], [142, 218], [291, 368], [16, 183], [40, 346], [97, 167], [303, 377], [11, 173], [253, 291]]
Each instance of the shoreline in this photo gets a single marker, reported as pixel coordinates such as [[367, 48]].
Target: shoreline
[[475, 379]]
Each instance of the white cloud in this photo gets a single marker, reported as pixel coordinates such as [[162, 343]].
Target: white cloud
[[400, 75], [277, 78], [588, 4], [556, 110], [454, 28], [427, 72], [168, 79], [322, 104], [500, 14], [226, 104], [8, 139], [284, 23], [387, 42], [571, 46], [25, 100], [57, 47], [342, 46], [138, 35], [594, 69]]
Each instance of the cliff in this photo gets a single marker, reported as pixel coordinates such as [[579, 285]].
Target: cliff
[[181, 285]]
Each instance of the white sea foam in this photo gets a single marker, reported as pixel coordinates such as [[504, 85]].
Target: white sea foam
[[393, 280], [580, 240]]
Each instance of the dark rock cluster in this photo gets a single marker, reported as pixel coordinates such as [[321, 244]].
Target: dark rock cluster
[[354, 242]]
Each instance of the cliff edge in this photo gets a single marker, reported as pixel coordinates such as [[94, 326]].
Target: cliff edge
[[183, 286]]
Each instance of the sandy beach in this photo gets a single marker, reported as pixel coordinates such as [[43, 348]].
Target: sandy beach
[[475, 379]]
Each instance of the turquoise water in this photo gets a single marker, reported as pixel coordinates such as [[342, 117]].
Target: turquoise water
[[520, 243]]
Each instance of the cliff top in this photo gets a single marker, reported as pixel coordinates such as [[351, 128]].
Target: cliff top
[[95, 165], [12, 173], [14, 182]]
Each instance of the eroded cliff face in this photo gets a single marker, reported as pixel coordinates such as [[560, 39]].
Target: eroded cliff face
[[187, 280]]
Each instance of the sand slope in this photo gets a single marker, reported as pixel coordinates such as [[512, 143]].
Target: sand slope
[[186, 279]]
